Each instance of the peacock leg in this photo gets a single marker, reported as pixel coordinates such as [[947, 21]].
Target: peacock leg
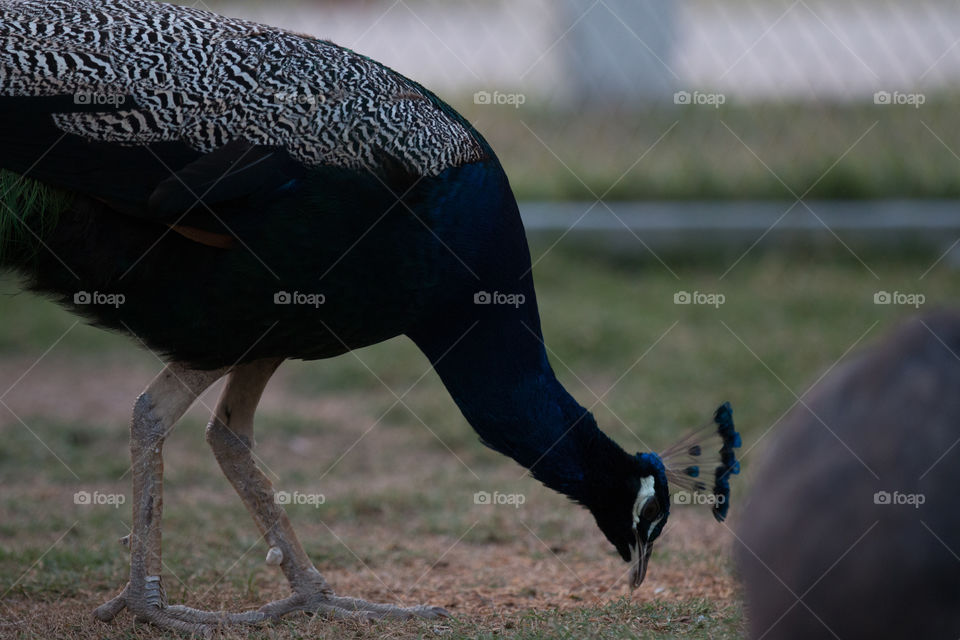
[[156, 411], [230, 435]]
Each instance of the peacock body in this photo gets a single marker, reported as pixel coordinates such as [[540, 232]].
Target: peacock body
[[241, 195]]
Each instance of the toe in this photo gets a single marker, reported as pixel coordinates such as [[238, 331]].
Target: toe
[[426, 611], [339, 613], [109, 610]]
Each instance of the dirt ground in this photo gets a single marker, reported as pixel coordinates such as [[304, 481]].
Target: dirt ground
[[404, 531]]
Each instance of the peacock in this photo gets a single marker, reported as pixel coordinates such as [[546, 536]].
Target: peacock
[[863, 543], [233, 195]]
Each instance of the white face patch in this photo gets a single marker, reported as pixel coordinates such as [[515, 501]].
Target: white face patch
[[646, 492], [638, 555]]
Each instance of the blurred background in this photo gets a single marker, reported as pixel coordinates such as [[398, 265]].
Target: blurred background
[[723, 199], [757, 90]]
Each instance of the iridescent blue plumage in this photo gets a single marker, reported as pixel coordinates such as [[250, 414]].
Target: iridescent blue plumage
[[685, 461], [731, 466]]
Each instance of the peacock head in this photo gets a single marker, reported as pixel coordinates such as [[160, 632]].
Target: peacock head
[[636, 515]]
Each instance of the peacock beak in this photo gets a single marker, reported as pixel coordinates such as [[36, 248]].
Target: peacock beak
[[639, 570]]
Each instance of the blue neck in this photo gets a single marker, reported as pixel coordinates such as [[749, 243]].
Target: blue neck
[[498, 374], [491, 357]]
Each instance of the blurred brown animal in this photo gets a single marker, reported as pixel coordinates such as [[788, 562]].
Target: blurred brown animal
[[828, 549]]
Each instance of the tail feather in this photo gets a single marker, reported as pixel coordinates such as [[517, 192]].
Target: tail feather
[[28, 210]]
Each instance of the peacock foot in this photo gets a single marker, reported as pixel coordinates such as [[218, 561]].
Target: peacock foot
[[149, 605]]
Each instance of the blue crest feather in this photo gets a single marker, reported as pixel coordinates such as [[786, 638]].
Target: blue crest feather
[[692, 456], [730, 465]]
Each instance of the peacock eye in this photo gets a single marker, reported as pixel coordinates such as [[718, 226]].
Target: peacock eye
[[651, 510]]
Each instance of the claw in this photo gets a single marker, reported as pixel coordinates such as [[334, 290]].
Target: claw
[[151, 607]]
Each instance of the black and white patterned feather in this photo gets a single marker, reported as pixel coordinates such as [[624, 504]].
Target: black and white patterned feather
[[142, 72]]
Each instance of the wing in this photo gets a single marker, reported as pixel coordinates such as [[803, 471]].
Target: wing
[[150, 107], [161, 181]]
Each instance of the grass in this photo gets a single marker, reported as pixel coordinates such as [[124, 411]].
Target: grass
[[767, 150], [399, 521]]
